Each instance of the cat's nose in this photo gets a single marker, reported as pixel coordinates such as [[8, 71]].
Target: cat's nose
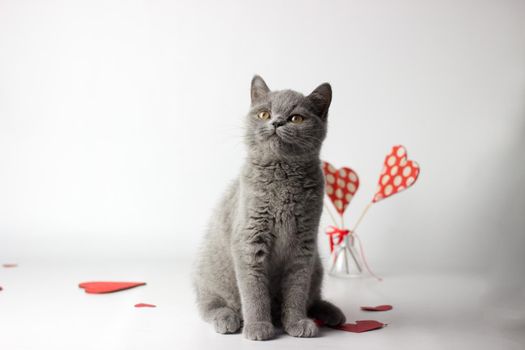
[[278, 123]]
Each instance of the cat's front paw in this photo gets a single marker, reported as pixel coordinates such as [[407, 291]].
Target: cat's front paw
[[305, 328], [259, 331], [226, 321]]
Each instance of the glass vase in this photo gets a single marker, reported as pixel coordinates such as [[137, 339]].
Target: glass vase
[[345, 260]]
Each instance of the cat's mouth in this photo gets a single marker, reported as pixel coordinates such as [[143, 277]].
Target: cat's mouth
[[278, 136], [281, 134], [273, 134]]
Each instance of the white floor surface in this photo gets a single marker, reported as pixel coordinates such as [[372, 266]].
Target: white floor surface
[[41, 307]]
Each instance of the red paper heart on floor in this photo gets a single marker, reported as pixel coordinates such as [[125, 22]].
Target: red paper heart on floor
[[319, 323], [398, 174], [357, 327], [145, 305], [341, 185], [377, 308], [360, 326], [108, 287]]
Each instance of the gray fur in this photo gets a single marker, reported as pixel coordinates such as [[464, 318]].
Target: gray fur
[[259, 266]]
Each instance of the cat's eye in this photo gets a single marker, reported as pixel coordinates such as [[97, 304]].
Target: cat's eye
[[264, 115], [297, 119]]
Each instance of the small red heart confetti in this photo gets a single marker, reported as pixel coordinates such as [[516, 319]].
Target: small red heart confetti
[[145, 305], [398, 174], [377, 308], [341, 185], [360, 326], [108, 287], [9, 265]]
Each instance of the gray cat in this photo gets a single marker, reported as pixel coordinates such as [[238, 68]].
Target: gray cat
[[259, 265]]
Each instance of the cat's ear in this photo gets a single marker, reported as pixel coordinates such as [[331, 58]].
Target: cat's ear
[[321, 98], [259, 88]]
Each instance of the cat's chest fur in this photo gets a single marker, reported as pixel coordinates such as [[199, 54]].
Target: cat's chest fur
[[288, 197]]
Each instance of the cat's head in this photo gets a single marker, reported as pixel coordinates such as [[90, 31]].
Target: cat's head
[[285, 123]]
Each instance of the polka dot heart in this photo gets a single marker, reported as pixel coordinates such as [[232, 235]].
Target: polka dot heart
[[398, 173], [341, 185]]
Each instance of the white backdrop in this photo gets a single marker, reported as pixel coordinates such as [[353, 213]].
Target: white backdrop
[[121, 121]]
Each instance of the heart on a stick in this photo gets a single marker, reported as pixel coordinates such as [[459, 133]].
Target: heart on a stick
[[398, 173], [341, 185]]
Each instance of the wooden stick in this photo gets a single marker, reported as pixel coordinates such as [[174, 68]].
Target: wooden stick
[[362, 216], [335, 255], [330, 213], [352, 254], [346, 261]]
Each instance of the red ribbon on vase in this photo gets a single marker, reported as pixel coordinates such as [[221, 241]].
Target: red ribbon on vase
[[336, 233]]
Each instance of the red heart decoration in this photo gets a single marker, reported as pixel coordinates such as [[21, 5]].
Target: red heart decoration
[[398, 174], [145, 305], [318, 323], [377, 308], [108, 287], [360, 326], [341, 185]]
